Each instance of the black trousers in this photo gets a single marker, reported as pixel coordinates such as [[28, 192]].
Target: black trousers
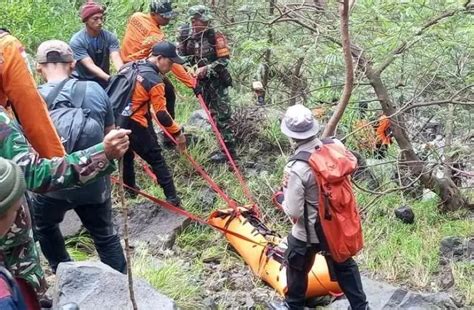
[[144, 142], [300, 259], [129, 170], [96, 218]]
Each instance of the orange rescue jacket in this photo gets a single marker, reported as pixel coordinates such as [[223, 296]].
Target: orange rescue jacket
[[141, 34], [18, 88]]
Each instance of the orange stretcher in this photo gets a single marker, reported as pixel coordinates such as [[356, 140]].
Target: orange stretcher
[[261, 252]]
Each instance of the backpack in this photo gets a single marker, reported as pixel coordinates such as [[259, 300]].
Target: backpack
[[10, 293], [73, 124], [339, 226], [120, 91]]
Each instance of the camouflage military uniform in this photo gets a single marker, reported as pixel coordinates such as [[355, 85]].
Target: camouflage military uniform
[[209, 48], [17, 248]]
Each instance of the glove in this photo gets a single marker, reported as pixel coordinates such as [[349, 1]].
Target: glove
[[277, 199], [198, 90]]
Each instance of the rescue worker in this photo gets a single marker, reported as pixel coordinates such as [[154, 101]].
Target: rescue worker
[[92, 203], [384, 136], [95, 47], [149, 93], [18, 89], [207, 49], [301, 192], [143, 31]]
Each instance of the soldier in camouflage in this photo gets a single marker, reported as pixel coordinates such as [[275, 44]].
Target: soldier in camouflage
[[17, 249], [207, 49]]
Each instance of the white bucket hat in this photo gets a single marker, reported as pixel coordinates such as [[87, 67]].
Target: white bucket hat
[[299, 123]]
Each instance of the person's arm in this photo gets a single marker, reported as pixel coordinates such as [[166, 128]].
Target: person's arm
[[43, 175], [293, 204], [94, 69], [116, 60], [81, 55], [183, 76], [158, 101], [29, 106]]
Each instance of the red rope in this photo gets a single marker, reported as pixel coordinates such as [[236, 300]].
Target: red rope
[[187, 214], [232, 203], [237, 172]]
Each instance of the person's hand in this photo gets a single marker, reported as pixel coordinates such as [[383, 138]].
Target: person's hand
[[277, 199], [116, 143], [181, 142], [201, 72]]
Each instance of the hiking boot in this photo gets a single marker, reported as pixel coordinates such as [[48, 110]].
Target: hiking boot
[[46, 302], [131, 194], [175, 201]]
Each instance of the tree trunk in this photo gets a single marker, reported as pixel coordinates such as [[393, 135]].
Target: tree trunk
[[330, 129], [450, 195]]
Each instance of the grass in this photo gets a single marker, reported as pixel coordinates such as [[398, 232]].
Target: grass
[[398, 252], [172, 277]]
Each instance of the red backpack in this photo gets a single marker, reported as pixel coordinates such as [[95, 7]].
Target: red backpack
[[339, 227]]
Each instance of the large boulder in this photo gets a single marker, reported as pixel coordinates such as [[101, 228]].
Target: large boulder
[[385, 296], [94, 285], [153, 225], [199, 119]]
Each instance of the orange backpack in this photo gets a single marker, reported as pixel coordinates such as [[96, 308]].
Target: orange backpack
[[339, 227]]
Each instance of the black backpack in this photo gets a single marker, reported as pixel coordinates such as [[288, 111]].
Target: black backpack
[[120, 91], [122, 86], [73, 124]]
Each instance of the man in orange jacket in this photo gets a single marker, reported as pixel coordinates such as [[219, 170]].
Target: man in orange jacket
[[149, 92], [18, 88]]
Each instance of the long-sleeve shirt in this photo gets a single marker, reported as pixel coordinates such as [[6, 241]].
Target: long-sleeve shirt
[[300, 189], [18, 87], [141, 34], [150, 91], [43, 175]]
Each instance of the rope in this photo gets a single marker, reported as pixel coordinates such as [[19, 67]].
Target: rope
[[237, 172], [232, 203]]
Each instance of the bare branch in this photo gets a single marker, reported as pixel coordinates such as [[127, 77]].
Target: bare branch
[[405, 45]]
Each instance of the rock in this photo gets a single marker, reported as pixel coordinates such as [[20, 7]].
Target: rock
[[94, 285], [71, 225], [199, 120], [405, 213], [456, 249], [446, 277], [153, 225], [385, 296]]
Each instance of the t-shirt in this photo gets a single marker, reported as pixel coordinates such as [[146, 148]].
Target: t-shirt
[[97, 48], [100, 109]]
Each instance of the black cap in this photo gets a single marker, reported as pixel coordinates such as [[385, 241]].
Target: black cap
[[168, 50]]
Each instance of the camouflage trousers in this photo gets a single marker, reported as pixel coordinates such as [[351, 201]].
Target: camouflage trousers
[[218, 101], [19, 254]]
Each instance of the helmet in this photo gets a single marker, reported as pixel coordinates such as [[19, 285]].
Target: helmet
[[162, 7], [200, 12]]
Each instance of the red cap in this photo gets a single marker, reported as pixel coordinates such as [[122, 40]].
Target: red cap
[[90, 8]]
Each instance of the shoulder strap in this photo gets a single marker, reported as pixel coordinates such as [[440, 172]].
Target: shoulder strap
[[79, 93], [55, 92], [301, 156]]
